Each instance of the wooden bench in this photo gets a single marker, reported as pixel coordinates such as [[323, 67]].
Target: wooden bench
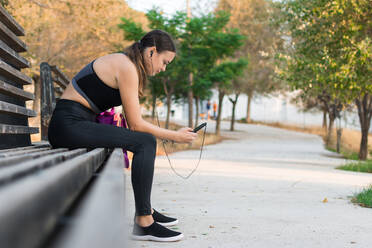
[[50, 197]]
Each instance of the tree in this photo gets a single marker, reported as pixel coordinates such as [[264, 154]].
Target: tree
[[4, 3], [205, 41], [69, 34], [330, 54], [253, 19], [170, 80], [237, 88], [223, 75], [202, 42], [352, 26], [308, 103], [201, 91]]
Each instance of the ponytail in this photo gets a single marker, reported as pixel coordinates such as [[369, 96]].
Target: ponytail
[[158, 38], [135, 54]]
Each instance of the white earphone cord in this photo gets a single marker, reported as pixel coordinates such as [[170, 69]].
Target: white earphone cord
[[201, 150], [163, 142]]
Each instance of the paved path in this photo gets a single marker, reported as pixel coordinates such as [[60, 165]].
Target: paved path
[[264, 187]]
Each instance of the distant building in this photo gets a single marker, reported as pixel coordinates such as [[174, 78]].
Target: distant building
[[266, 109]]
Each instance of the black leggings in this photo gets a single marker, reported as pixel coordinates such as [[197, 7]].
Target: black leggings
[[73, 126]]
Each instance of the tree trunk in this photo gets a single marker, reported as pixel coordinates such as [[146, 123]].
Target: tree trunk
[[221, 94], [330, 128], [190, 99], [363, 151], [197, 111], [339, 133], [234, 102], [248, 117], [365, 113], [324, 119]]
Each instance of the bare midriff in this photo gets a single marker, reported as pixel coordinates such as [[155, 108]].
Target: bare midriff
[[71, 94], [103, 71]]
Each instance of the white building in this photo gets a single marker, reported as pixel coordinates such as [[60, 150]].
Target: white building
[[266, 109]]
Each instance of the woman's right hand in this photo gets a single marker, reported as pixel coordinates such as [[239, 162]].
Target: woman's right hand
[[186, 135]]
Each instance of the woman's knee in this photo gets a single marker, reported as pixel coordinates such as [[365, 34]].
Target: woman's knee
[[144, 141], [149, 140]]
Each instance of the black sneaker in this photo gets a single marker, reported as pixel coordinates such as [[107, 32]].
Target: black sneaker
[[164, 220], [155, 232]]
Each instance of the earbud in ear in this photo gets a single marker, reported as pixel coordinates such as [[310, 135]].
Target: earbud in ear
[[151, 53]]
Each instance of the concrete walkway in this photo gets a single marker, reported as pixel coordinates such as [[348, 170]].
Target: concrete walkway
[[264, 187]]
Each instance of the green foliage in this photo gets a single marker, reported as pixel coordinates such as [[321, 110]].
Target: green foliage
[[346, 154], [202, 41], [254, 19], [205, 43], [226, 72], [365, 166], [330, 48], [364, 198], [4, 3], [173, 25], [329, 54], [132, 30]]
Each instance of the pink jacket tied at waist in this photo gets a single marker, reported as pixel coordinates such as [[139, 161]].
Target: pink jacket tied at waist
[[109, 117]]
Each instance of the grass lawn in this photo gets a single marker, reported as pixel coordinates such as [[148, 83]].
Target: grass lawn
[[346, 154], [362, 166], [364, 198]]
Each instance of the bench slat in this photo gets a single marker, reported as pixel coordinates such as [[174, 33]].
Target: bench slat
[[11, 90], [10, 22], [13, 74], [16, 109], [11, 39], [29, 156], [15, 129], [30, 208], [59, 82], [22, 152], [15, 172], [61, 79], [34, 146], [12, 57], [100, 219]]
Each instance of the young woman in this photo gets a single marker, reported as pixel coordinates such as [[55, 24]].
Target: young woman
[[119, 79]]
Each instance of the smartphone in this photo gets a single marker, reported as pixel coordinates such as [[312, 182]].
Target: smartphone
[[199, 127]]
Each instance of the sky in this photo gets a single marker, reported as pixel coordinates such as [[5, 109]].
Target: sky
[[171, 6]]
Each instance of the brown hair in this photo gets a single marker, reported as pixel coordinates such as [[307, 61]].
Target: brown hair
[[158, 38]]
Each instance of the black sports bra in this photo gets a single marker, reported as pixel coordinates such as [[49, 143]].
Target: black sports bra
[[99, 95]]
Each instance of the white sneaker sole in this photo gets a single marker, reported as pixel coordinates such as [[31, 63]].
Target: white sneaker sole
[[168, 223], [158, 239]]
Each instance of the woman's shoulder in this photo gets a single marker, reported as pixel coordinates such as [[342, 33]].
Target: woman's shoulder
[[114, 68], [123, 63], [118, 61], [125, 70]]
